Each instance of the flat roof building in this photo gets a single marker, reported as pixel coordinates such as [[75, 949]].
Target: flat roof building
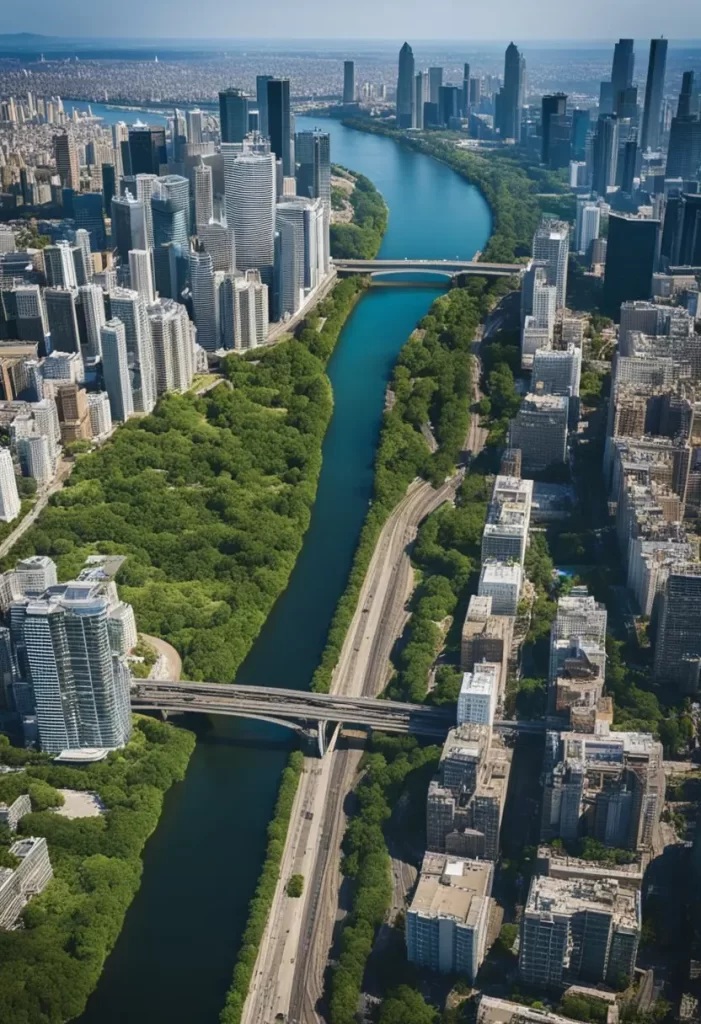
[[540, 431], [502, 582], [479, 691]]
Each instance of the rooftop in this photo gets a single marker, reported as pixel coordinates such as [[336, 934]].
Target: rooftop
[[452, 887], [576, 895], [501, 572]]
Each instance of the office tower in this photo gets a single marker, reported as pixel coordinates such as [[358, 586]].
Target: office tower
[[115, 366], [100, 414], [281, 124], [73, 414], [173, 350], [194, 126], [448, 105], [59, 265], [66, 156], [233, 115], [435, 81], [32, 324], [629, 166], [551, 106], [405, 87], [262, 102], [128, 306], [128, 225], [35, 458], [87, 212], [348, 81], [684, 156], [581, 124], [557, 372], [145, 188], [147, 149], [551, 248], [626, 105], [218, 241], [678, 639], [420, 89], [686, 95], [631, 257], [448, 920], [622, 67], [540, 431], [170, 211], [141, 274], [109, 186], [605, 154], [654, 92], [249, 189], [204, 195], [81, 690], [465, 91], [313, 154], [578, 930], [289, 258], [479, 691], [83, 263], [588, 225], [244, 316], [511, 95], [9, 495], [170, 269], [205, 302], [92, 317], [62, 318]]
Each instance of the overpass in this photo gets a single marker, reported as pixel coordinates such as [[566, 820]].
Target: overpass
[[444, 268], [306, 712]]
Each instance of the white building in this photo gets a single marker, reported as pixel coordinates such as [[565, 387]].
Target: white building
[[205, 300], [502, 582], [588, 224], [35, 459], [557, 372], [243, 305], [128, 306], [93, 302], [204, 195], [36, 574], [100, 414], [219, 242], [540, 431], [121, 623], [551, 247], [477, 700], [64, 366], [141, 274], [115, 366], [173, 348], [249, 190], [10, 503]]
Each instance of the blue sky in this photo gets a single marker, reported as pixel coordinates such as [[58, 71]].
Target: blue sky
[[386, 19]]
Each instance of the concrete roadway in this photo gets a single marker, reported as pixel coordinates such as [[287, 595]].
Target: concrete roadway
[[64, 471]]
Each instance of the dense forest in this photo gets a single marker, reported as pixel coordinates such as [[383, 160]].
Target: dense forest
[[431, 385], [361, 240], [208, 498], [506, 186], [49, 968]]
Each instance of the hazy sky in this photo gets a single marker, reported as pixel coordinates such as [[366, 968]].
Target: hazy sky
[[373, 19]]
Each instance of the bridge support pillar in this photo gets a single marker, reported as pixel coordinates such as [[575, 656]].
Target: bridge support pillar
[[321, 737]]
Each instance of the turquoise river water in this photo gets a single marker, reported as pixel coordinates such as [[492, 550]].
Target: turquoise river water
[[174, 958]]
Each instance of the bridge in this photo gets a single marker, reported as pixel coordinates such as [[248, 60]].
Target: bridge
[[444, 268], [306, 712]]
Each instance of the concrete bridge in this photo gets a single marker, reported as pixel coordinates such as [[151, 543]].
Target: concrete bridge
[[442, 268], [301, 710]]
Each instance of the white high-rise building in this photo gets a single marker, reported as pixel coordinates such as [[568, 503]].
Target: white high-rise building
[[60, 265], [551, 247], [129, 224], [243, 305], [141, 274], [193, 120], [100, 414], [477, 700], [82, 240], [115, 363], [173, 349], [128, 306], [588, 224], [145, 188], [219, 242], [249, 189], [557, 373], [93, 303], [35, 459], [205, 302], [204, 195], [290, 256], [48, 425], [10, 503], [31, 309]]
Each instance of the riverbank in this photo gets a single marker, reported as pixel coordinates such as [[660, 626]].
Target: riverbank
[[506, 186], [360, 237], [49, 967]]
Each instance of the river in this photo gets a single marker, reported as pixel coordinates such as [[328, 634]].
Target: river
[[174, 958]]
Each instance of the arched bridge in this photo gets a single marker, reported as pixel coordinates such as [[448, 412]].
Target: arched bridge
[[301, 710], [444, 268]]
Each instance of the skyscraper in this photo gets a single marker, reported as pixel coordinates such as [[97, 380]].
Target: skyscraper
[[63, 319], [290, 255], [631, 257], [405, 87], [511, 96], [420, 98], [622, 67], [87, 211], [243, 308], [91, 319], [249, 189], [233, 115], [313, 154], [115, 365], [262, 102], [66, 156], [605, 153], [128, 306], [147, 149], [59, 265], [204, 196], [448, 104], [281, 124], [684, 156], [128, 225], [9, 496], [466, 91], [551, 106], [348, 81], [141, 274], [654, 91], [435, 81], [81, 689], [193, 120], [551, 247], [218, 241], [205, 303], [170, 210], [173, 350], [145, 187]]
